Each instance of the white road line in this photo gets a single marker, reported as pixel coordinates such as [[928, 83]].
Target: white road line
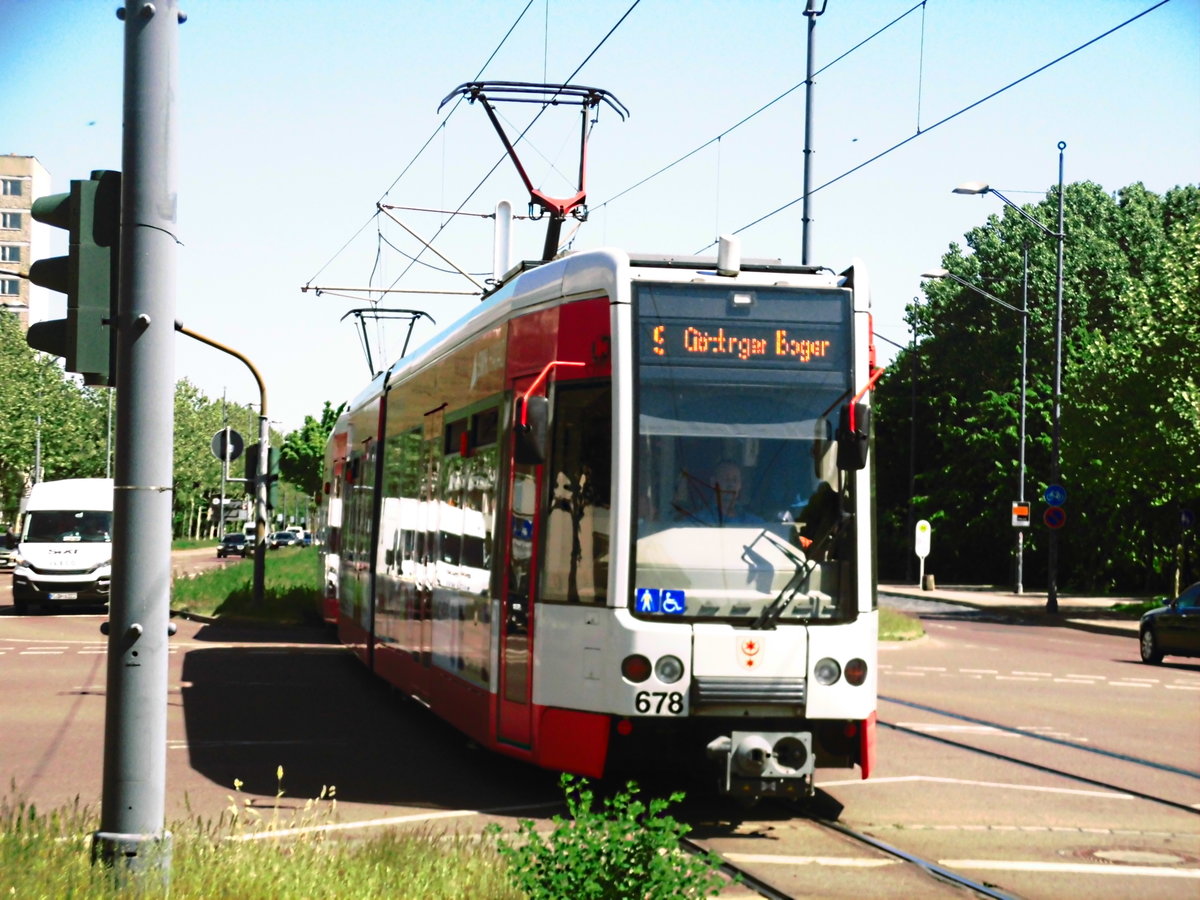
[[1128, 684], [1092, 677], [391, 820], [846, 862], [1038, 674], [41, 653], [1015, 678], [929, 668], [979, 671], [1070, 680], [1011, 865], [901, 779], [1182, 687], [904, 672]]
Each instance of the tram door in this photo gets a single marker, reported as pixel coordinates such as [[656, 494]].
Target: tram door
[[523, 528]]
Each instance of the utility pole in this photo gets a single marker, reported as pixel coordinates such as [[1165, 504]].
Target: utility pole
[[806, 217], [132, 838]]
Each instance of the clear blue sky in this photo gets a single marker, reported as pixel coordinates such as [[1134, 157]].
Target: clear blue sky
[[295, 117]]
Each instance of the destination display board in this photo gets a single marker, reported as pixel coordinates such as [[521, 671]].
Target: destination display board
[[751, 344]]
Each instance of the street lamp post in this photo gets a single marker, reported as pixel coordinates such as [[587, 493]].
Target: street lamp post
[[1056, 405], [1024, 312]]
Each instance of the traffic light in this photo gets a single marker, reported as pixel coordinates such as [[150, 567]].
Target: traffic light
[[88, 275]]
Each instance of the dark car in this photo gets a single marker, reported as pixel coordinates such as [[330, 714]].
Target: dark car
[[1172, 630], [233, 545], [282, 539]]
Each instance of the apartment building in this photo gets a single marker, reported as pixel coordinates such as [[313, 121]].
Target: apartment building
[[22, 178]]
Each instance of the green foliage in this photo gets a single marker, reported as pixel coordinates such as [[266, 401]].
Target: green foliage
[[48, 855], [1130, 456], [628, 850], [302, 456], [291, 589], [43, 404]]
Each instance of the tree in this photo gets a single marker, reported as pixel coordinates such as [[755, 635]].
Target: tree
[[46, 410], [302, 456], [1129, 408]]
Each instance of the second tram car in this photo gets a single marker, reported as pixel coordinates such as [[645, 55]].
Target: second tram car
[[622, 513]]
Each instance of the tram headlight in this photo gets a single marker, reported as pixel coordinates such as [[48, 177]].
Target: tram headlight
[[856, 671], [636, 668], [827, 671], [669, 669]]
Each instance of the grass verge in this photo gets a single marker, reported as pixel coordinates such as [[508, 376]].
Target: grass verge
[[898, 626], [291, 590], [46, 855]]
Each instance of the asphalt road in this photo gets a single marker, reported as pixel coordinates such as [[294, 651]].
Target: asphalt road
[[243, 703]]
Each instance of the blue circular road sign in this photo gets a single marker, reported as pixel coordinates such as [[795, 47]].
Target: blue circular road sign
[[1056, 495]]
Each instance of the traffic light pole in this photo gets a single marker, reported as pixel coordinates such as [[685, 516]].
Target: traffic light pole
[[260, 485], [132, 838]]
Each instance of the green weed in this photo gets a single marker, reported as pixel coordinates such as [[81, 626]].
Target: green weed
[[628, 850]]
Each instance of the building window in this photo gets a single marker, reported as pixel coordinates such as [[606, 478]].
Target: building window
[[10, 187], [10, 287], [10, 254], [10, 220]]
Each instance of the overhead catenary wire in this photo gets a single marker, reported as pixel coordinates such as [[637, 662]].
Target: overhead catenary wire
[[951, 117], [734, 127], [428, 141], [520, 137]]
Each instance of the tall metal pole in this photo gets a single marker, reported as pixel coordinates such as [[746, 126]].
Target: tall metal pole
[[1056, 452], [132, 836], [806, 217], [1021, 427]]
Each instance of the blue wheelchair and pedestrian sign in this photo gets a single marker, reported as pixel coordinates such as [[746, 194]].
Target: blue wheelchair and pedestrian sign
[[671, 601]]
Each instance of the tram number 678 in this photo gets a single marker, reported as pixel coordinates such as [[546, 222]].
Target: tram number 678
[[655, 701]]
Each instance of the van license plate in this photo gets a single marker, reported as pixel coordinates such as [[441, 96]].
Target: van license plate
[[67, 596]]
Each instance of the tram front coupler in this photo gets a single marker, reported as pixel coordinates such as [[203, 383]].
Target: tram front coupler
[[765, 763]]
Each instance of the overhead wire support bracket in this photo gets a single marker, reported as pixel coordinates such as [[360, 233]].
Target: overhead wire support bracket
[[587, 98], [374, 312]]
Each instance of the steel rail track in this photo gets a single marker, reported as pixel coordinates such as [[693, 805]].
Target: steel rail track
[[768, 890], [1040, 768], [1061, 742], [933, 870]]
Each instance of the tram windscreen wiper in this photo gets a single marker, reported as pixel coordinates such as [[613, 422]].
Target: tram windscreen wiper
[[804, 568]]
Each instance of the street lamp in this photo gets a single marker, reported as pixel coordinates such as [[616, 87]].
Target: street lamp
[[1056, 406], [1024, 312]]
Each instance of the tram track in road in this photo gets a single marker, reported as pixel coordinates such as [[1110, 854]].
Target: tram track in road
[[997, 727], [738, 869]]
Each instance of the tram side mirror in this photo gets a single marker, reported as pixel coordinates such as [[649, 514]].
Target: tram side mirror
[[853, 441], [530, 437]]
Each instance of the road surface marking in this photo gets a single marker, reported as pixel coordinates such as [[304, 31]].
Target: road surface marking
[[979, 671], [391, 820], [1128, 684], [1039, 674], [855, 862], [934, 779], [1057, 868]]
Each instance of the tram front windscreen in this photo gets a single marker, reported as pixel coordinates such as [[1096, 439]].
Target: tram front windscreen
[[741, 513]]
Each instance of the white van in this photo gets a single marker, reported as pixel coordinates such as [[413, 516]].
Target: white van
[[65, 551]]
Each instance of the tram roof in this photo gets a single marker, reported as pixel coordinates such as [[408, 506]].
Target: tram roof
[[531, 281]]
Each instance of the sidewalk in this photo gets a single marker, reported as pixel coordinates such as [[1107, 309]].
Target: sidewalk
[[1085, 613]]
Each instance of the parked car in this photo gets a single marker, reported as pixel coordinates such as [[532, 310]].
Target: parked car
[[233, 545], [282, 539], [1172, 630]]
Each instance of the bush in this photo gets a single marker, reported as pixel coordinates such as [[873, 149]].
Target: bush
[[630, 850]]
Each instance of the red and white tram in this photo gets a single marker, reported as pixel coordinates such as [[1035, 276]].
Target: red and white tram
[[621, 512]]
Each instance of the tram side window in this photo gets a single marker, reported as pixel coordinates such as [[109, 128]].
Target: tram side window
[[576, 554]]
